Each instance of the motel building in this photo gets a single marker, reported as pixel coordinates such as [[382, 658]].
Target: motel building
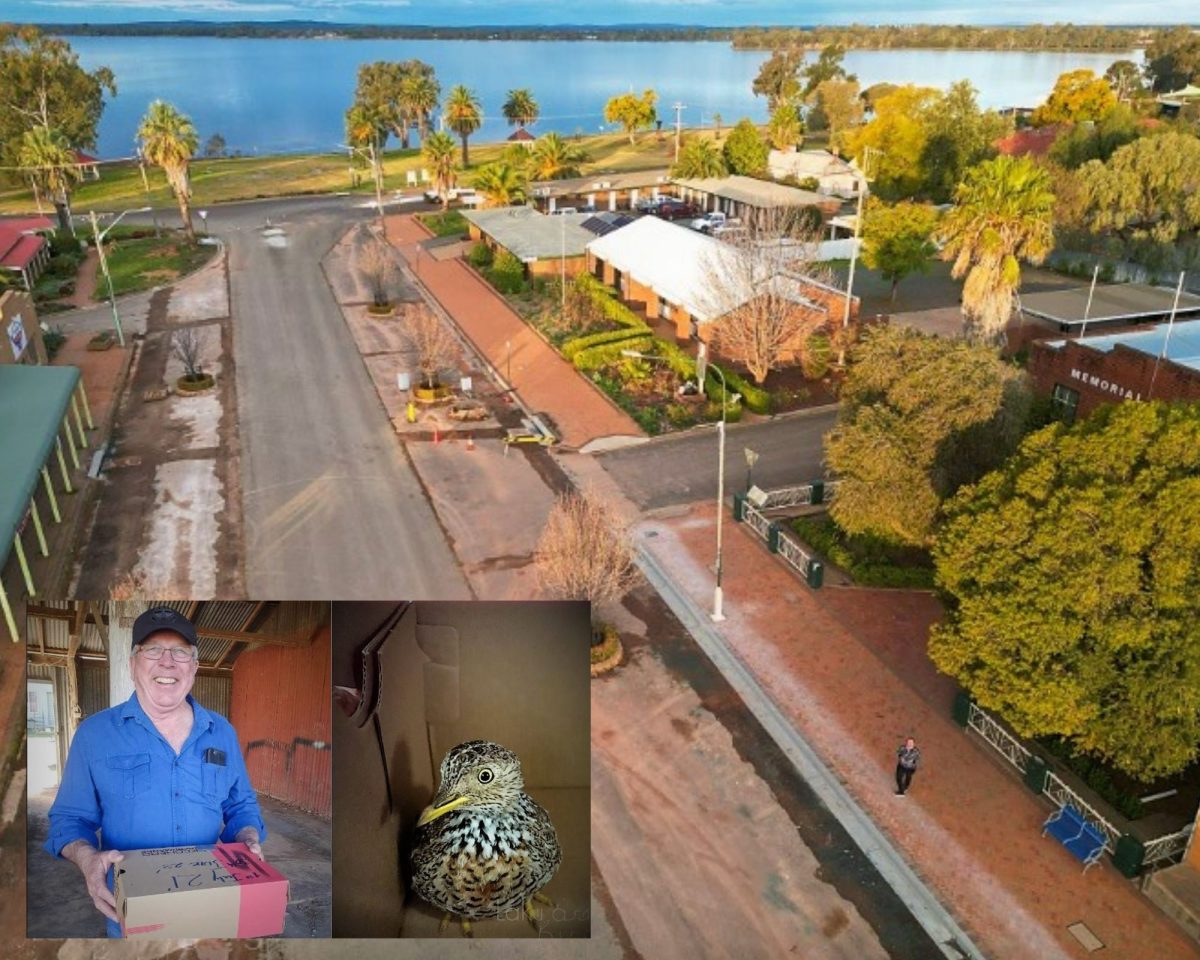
[[1161, 362]]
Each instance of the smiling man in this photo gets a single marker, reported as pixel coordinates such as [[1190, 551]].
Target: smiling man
[[155, 771]]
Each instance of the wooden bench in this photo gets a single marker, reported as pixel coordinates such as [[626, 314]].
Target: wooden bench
[[1083, 839]]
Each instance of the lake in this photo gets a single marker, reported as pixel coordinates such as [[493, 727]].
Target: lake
[[272, 96]]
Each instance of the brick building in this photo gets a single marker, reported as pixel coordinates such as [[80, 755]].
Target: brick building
[[1159, 363]]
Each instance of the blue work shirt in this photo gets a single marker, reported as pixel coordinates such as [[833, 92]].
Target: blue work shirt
[[124, 780]]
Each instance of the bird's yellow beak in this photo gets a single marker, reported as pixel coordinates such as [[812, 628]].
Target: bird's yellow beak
[[431, 812]]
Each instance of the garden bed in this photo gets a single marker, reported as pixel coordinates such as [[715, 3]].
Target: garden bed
[[141, 261], [869, 561], [448, 224]]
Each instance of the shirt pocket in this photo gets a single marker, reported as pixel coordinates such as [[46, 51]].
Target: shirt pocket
[[133, 771], [213, 781]]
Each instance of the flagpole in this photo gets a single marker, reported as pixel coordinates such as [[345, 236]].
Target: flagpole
[[1167, 339], [1087, 311]]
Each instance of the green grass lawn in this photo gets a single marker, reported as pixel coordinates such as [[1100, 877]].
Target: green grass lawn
[[151, 261], [448, 224]]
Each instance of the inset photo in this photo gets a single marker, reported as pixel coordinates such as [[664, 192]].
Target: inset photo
[[462, 780], [180, 769]]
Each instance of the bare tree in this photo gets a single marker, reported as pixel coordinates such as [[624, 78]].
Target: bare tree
[[767, 294], [377, 264], [585, 552], [433, 344], [185, 345]]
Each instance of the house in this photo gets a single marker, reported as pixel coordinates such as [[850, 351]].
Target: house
[[1160, 363], [547, 245], [1173, 103], [24, 252], [87, 165], [834, 176], [751, 199], [607, 191], [669, 271], [522, 136]]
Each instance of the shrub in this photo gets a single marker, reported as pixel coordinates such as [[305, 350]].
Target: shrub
[[480, 256], [62, 242], [593, 358], [53, 338], [815, 360], [755, 398], [868, 560], [606, 299], [573, 347], [507, 273]]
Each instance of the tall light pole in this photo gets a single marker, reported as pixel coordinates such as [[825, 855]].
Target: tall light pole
[[376, 173], [718, 611], [862, 192], [99, 236]]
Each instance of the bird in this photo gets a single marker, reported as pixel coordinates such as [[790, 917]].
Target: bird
[[483, 846]]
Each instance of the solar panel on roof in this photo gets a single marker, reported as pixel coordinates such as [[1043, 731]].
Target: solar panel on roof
[[601, 224]]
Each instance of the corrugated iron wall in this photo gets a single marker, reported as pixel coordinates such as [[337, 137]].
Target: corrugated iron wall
[[281, 704]]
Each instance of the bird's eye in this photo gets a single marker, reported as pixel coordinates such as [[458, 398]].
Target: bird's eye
[[486, 775]]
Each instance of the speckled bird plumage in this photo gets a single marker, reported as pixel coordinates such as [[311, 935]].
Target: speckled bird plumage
[[495, 849]]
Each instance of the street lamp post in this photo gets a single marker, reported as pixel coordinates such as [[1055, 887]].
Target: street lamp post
[[718, 611], [99, 237]]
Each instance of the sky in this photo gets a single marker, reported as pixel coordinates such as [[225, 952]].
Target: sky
[[689, 12]]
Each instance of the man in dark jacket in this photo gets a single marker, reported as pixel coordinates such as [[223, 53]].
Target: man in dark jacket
[[908, 758]]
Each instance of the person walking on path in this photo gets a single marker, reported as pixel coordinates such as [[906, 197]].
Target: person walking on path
[[908, 758]]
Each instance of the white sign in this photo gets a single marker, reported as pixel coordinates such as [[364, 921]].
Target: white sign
[[16, 337], [1104, 386]]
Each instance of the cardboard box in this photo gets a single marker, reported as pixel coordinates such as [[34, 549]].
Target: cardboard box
[[199, 892]]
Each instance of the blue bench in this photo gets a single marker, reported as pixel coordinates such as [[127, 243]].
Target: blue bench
[[1083, 839]]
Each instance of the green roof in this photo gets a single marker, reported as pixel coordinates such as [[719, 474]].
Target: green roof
[[33, 401]]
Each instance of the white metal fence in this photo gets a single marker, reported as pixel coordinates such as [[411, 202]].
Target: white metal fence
[[779, 541], [1061, 794], [790, 550], [1169, 847], [1009, 746], [757, 522]]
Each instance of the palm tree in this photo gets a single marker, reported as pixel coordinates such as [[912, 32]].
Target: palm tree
[[699, 158], [367, 131], [438, 151], [520, 109], [1003, 213], [554, 158], [420, 96], [52, 166], [502, 184], [463, 115], [169, 141], [785, 127], [717, 121]]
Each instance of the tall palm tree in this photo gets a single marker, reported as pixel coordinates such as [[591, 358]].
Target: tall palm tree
[[463, 115], [1003, 213], [420, 96], [554, 158], [438, 150], [520, 109], [699, 158], [169, 140], [52, 166], [502, 184]]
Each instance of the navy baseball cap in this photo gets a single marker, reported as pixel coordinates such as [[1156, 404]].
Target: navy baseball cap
[[163, 618]]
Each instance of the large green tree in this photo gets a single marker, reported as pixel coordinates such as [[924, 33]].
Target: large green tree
[[463, 115], [1003, 213], [1073, 578], [631, 111], [419, 94], [1096, 141], [827, 66], [1126, 79], [43, 85], [896, 138], [838, 104], [898, 239], [402, 95], [169, 140], [699, 158], [958, 135], [778, 78], [1078, 95], [1173, 60], [520, 108], [920, 417], [745, 150], [50, 163]]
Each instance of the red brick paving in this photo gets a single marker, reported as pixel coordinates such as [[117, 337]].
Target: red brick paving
[[848, 667], [544, 380]]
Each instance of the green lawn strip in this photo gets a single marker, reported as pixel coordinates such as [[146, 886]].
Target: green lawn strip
[[448, 224], [150, 262]]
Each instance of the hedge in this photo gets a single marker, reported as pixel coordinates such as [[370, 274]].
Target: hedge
[[827, 539], [579, 344], [606, 300], [756, 399], [593, 358]]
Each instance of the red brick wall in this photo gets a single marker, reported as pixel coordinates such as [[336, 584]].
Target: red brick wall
[[281, 694], [1121, 374]]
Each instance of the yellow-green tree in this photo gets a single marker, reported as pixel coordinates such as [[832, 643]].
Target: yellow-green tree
[[1078, 95], [49, 162], [632, 112], [1074, 582], [920, 417], [896, 136], [169, 140], [898, 239]]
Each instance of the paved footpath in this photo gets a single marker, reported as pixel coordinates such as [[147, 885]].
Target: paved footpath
[[845, 667], [545, 381]]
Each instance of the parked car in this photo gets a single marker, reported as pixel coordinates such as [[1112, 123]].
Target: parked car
[[713, 221], [462, 194], [563, 210], [676, 210], [649, 204]]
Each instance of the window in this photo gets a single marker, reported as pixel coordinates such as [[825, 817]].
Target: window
[[664, 309], [1064, 403]]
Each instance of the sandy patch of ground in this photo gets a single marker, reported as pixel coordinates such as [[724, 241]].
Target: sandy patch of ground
[[179, 555], [199, 420], [202, 296]]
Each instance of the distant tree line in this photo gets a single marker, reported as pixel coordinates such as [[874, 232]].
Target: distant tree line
[[1044, 36]]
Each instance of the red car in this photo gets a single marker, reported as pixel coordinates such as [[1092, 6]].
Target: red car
[[676, 210]]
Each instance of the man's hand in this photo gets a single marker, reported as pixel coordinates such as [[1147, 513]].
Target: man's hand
[[94, 864], [249, 836]]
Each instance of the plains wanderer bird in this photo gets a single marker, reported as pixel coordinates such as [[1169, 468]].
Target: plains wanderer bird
[[483, 847]]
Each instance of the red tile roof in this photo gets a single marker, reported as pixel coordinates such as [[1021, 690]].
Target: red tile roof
[[85, 159], [522, 135], [28, 224], [17, 250]]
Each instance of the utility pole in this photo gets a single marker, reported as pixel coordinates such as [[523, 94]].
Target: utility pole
[[862, 192], [678, 108]]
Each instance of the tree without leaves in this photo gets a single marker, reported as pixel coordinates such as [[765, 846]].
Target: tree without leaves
[[438, 151], [42, 84], [377, 264], [745, 150], [898, 239], [1003, 214], [632, 112], [699, 158], [185, 345], [755, 290], [169, 141], [51, 164], [1094, 635], [463, 115], [585, 551], [921, 416], [520, 109], [433, 343], [1077, 96]]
